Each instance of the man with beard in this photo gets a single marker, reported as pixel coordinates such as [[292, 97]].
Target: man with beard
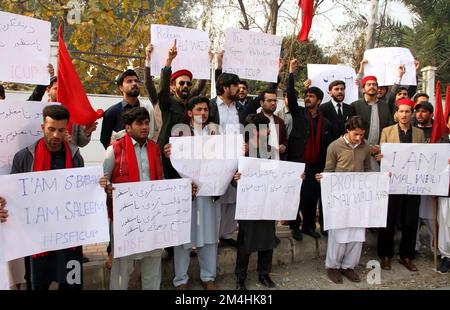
[[174, 93], [335, 110], [128, 83], [375, 112], [308, 142], [228, 113], [424, 120], [51, 152], [277, 137], [402, 209]]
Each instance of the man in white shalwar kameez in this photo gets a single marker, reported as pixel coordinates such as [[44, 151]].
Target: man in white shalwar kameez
[[443, 217], [349, 153], [205, 215]]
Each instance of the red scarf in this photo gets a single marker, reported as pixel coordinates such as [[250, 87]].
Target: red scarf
[[130, 158], [126, 169], [42, 156], [42, 162], [312, 148]]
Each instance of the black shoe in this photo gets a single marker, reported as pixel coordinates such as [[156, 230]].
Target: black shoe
[[445, 265], [193, 253], [311, 233], [240, 285], [297, 235], [230, 242], [266, 281], [169, 252]]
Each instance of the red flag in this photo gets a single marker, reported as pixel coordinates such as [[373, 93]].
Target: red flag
[[439, 128], [307, 7], [71, 93]]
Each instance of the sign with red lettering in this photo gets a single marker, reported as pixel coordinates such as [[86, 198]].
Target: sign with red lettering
[[25, 49]]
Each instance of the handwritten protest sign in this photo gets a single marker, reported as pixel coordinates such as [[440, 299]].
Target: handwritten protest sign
[[20, 127], [268, 189], [192, 46], [322, 75], [417, 168], [252, 55], [383, 63], [52, 210], [354, 199], [209, 161], [151, 215], [25, 49]]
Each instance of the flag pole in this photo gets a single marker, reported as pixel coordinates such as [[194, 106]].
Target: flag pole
[[292, 41]]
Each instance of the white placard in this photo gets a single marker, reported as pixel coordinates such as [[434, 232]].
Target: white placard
[[52, 210], [20, 126], [192, 46], [151, 215], [24, 49], [252, 55], [209, 161], [268, 189], [417, 168], [322, 75], [353, 200], [383, 63]]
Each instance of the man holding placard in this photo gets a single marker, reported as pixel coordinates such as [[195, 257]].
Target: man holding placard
[[256, 235], [174, 93], [308, 142], [229, 114], [349, 153], [205, 215], [134, 158], [403, 209], [443, 217], [49, 153]]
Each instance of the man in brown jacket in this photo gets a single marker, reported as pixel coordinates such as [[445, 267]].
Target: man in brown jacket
[[402, 209]]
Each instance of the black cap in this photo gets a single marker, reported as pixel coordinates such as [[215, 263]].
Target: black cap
[[424, 105]]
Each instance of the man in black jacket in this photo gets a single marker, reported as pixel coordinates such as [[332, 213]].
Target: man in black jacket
[[335, 110], [308, 143], [229, 114]]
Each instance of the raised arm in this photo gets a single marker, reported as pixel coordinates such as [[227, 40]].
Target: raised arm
[[148, 79], [166, 72], [290, 90], [39, 90]]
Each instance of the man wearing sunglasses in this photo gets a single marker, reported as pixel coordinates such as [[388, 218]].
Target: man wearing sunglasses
[[175, 91]]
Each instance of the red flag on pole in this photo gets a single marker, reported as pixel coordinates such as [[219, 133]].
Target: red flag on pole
[[71, 93], [307, 7], [439, 128]]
